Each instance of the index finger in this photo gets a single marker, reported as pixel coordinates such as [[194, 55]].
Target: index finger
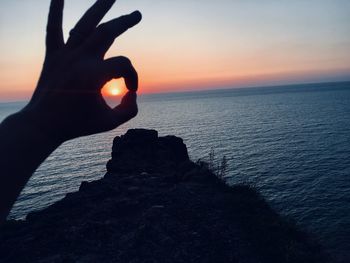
[[100, 41], [89, 21]]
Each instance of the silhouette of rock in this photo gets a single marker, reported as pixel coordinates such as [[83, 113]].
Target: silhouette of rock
[[155, 205], [141, 150]]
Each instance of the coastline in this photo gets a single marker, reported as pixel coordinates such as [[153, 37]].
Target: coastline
[[155, 204]]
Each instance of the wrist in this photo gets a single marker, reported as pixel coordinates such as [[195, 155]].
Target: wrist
[[27, 125]]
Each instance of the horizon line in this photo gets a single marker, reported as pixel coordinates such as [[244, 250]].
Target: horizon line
[[216, 88]]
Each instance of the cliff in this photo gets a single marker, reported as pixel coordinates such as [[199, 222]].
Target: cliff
[[155, 205]]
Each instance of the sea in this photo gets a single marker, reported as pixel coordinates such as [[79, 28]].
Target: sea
[[290, 142]]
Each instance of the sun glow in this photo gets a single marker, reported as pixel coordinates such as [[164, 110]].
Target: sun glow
[[115, 91], [114, 87]]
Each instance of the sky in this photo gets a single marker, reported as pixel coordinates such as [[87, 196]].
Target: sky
[[194, 45]]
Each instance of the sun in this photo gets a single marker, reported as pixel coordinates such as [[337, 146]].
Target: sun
[[115, 91], [113, 88]]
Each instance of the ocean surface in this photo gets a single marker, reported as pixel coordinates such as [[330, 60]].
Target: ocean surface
[[290, 142]]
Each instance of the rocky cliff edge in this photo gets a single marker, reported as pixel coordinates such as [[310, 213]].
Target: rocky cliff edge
[[156, 205]]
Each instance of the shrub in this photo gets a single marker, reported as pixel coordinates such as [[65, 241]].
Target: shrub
[[219, 170]]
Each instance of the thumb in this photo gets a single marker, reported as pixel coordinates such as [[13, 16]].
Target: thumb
[[126, 110]]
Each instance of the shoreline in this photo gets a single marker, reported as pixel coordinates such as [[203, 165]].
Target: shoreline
[[154, 203]]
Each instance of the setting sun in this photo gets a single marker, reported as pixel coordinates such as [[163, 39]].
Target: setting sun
[[115, 91], [114, 87]]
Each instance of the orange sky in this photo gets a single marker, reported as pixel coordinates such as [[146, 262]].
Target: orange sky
[[184, 45]]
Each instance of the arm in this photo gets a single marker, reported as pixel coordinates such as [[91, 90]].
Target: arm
[[67, 102], [22, 149]]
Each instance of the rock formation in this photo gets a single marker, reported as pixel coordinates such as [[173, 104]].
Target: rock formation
[[155, 205]]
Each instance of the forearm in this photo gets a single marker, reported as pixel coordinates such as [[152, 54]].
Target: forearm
[[23, 147]]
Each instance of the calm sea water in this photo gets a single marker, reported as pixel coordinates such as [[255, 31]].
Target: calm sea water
[[292, 143]]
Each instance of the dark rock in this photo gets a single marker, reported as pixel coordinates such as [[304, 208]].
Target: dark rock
[[143, 151], [84, 185], [178, 152], [155, 205]]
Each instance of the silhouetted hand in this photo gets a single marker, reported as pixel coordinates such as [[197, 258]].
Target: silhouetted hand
[[67, 102]]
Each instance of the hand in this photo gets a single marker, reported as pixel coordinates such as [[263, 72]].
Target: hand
[[67, 102]]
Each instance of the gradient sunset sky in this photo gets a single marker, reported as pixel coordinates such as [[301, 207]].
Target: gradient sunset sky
[[193, 45]]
